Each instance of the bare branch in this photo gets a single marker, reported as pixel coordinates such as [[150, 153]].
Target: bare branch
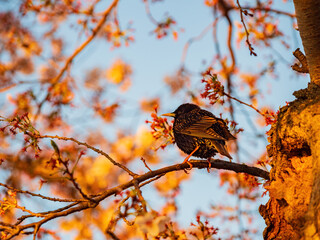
[[145, 164], [89, 39], [251, 49], [94, 149], [78, 50], [152, 19], [265, 9], [22, 218], [303, 68], [249, 105], [218, 164], [197, 38], [112, 235], [152, 180], [141, 198], [42, 196], [73, 180]]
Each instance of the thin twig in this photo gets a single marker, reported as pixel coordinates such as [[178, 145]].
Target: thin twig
[[151, 180], [264, 9], [196, 38], [116, 216], [14, 84], [69, 60], [152, 19], [41, 196], [249, 105], [36, 229], [73, 180], [229, 43], [85, 43], [145, 164], [94, 149], [112, 235], [251, 49], [201, 164], [141, 198], [28, 211], [22, 218]]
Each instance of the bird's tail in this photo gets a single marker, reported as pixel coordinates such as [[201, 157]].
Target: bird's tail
[[221, 148]]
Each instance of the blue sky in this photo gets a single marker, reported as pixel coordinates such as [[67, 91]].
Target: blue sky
[[152, 59]]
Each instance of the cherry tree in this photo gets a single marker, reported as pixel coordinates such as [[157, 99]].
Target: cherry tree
[[85, 151]]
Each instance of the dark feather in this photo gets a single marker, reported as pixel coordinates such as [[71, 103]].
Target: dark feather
[[194, 127]]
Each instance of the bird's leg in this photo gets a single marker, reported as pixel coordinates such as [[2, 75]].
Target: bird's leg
[[209, 164], [187, 158]]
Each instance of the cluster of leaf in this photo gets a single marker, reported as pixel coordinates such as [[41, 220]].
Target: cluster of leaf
[[90, 187]]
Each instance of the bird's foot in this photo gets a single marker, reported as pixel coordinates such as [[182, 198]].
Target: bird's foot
[[189, 163], [186, 160], [209, 164]]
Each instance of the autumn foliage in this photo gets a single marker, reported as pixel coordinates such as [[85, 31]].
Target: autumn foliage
[[85, 152]]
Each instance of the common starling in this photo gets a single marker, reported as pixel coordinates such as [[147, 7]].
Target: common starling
[[198, 132]]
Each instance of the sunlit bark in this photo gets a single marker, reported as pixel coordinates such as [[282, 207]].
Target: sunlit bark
[[308, 17], [293, 209]]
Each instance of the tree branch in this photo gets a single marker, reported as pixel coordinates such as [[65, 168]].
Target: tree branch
[[89, 39], [196, 38], [251, 49], [78, 50], [42, 196], [92, 148], [249, 105], [236, 167], [218, 164], [302, 59], [266, 9]]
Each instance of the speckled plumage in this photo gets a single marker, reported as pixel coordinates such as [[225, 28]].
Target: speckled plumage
[[194, 127]]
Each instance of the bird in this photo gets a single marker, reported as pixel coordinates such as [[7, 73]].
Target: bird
[[197, 132]]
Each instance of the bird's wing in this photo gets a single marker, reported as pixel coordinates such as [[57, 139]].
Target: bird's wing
[[221, 148], [205, 128]]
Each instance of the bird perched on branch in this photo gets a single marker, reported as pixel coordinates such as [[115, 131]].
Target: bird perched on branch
[[198, 132]]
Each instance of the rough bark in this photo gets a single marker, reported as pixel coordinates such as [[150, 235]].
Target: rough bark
[[291, 212], [308, 17]]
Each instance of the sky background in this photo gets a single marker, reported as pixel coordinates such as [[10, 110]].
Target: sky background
[[151, 60]]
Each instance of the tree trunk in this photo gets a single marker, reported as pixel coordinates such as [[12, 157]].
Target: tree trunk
[[308, 17], [293, 210]]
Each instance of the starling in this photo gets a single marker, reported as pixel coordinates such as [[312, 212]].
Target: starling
[[198, 132]]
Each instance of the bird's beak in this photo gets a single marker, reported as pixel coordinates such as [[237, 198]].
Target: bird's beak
[[169, 114]]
